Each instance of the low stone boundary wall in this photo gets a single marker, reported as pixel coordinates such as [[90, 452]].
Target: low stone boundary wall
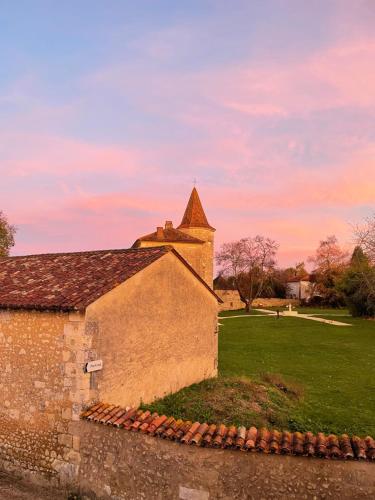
[[273, 302], [232, 302], [116, 464]]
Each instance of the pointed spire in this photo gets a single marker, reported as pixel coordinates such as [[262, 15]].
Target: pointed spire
[[194, 215]]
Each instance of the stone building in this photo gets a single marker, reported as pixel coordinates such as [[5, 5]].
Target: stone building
[[193, 238], [63, 315]]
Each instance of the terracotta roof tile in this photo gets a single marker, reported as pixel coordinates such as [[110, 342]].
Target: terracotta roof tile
[[194, 215], [68, 281], [239, 438]]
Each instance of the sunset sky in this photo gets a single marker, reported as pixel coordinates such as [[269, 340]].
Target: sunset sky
[[110, 109]]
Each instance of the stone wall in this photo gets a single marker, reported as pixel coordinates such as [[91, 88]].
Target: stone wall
[[42, 389], [231, 300], [117, 464], [155, 333], [274, 302]]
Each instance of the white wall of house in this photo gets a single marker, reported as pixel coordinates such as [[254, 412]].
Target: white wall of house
[[299, 290]]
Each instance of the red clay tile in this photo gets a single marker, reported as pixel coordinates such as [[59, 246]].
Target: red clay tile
[[240, 440], [286, 443], [198, 436], [298, 439], [209, 435], [262, 440], [309, 445], [190, 433], [275, 439], [220, 435], [321, 448], [251, 437], [346, 447], [370, 444], [179, 434], [359, 448], [333, 446]]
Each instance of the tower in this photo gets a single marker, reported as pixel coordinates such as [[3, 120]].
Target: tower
[[195, 224], [193, 239]]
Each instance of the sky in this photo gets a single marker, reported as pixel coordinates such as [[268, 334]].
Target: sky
[[110, 110]]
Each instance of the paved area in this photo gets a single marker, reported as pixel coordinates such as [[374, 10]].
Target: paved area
[[312, 317], [13, 489]]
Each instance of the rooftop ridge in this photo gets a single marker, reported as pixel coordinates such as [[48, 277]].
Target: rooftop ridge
[[263, 440]]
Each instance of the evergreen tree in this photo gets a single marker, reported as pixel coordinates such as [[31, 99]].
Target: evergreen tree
[[358, 285]]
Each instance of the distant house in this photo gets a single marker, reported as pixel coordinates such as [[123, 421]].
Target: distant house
[[121, 326], [299, 288]]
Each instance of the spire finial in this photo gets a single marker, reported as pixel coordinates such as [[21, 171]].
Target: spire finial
[[195, 181]]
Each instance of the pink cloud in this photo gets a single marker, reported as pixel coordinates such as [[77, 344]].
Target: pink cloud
[[62, 155]]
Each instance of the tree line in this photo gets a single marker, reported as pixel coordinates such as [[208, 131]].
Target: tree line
[[338, 278]]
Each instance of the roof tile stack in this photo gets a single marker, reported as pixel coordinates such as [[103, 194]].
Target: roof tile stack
[[236, 438]]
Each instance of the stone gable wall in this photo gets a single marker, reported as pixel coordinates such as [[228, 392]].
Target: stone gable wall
[[155, 333]]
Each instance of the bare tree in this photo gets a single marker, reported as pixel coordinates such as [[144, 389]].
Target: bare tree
[[250, 262], [365, 236], [7, 232]]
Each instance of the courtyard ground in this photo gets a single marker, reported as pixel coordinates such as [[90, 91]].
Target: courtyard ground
[[288, 373]]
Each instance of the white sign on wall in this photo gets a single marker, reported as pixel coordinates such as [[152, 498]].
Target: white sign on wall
[[94, 366]]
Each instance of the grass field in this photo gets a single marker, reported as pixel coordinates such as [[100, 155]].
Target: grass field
[[288, 373]]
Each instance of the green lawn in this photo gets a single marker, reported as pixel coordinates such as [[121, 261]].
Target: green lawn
[[334, 364], [287, 373]]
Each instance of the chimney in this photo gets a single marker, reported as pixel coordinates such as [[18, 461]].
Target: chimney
[[159, 233], [168, 224]]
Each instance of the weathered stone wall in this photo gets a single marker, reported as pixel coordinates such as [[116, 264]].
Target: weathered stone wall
[[118, 464], [155, 333], [42, 388], [273, 302], [231, 300]]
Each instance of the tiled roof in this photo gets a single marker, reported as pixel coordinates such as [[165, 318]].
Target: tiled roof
[[232, 437], [194, 215], [168, 235], [72, 281]]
